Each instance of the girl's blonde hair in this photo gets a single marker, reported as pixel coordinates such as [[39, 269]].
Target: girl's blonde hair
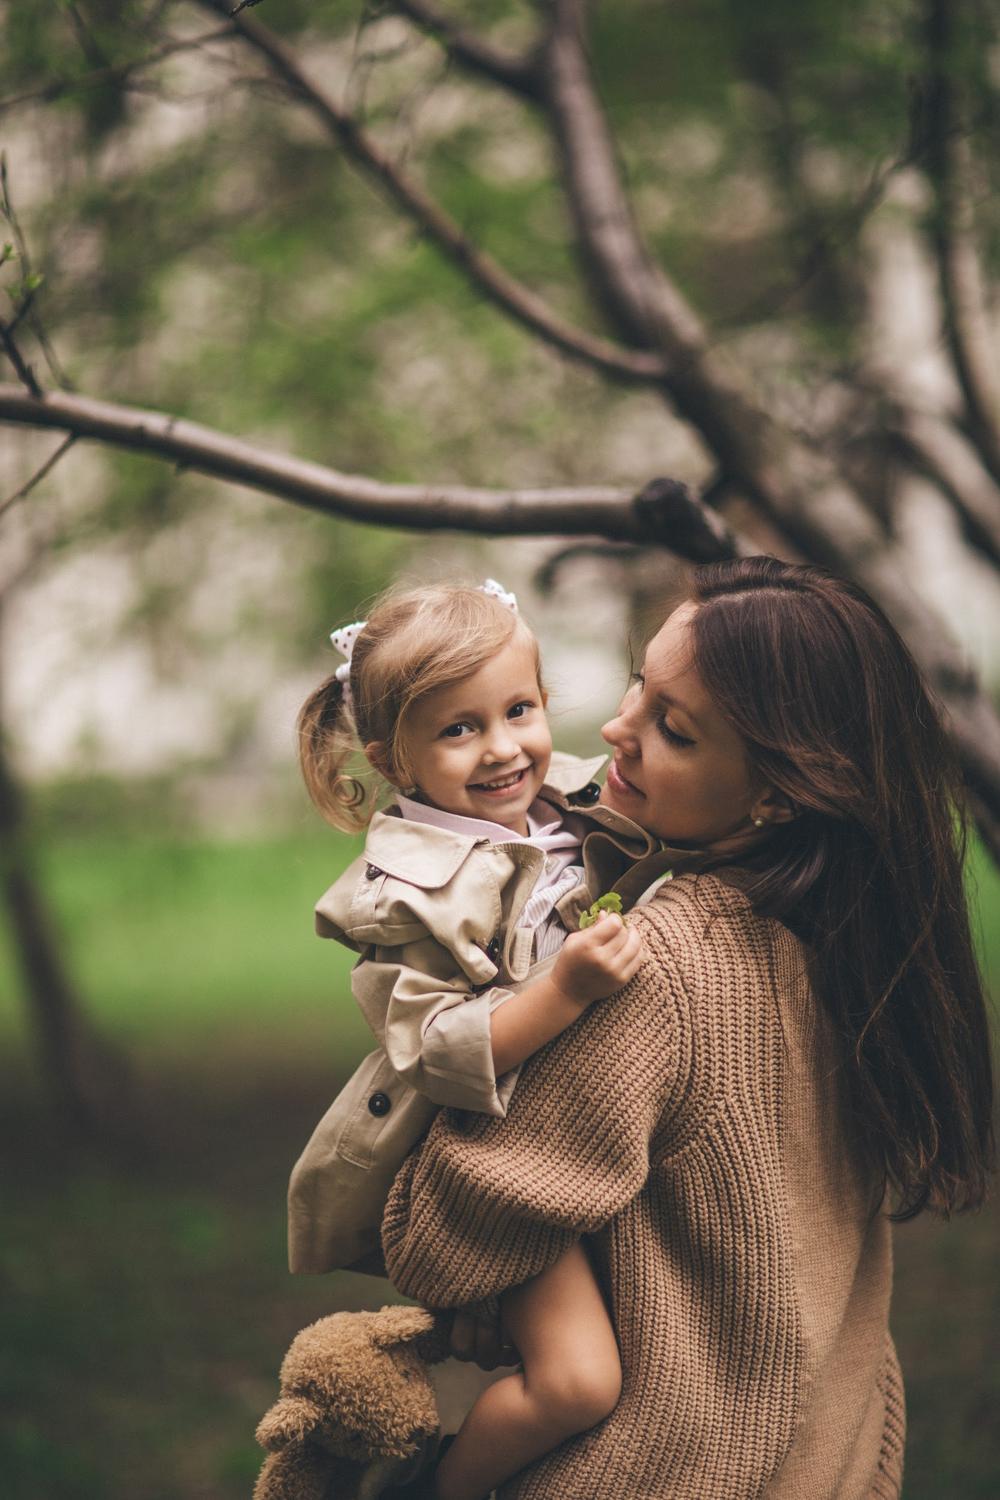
[[414, 641]]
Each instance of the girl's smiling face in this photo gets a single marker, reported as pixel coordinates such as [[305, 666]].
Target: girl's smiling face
[[679, 769], [481, 747]]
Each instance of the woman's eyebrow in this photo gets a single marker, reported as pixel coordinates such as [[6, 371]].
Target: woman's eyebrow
[[668, 702]]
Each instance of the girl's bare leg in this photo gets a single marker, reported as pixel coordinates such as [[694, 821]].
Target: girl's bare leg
[[570, 1380]]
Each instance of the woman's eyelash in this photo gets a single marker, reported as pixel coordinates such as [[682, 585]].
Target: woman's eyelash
[[661, 724], [671, 734]]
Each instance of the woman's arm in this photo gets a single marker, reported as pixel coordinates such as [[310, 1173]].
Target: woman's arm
[[485, 1204]]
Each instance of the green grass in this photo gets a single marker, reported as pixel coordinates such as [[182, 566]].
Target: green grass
[[147, 1302], [182, 945]]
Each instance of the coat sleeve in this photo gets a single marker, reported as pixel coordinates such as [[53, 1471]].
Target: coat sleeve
[[434, 1027], [485, 1204]]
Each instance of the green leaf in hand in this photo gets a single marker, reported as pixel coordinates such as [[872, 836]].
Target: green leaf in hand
[[612, 902]]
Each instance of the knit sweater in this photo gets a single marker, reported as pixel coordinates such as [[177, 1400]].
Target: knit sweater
[[693, 1126]]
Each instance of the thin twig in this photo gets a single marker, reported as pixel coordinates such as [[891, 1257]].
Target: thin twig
[[39, 474], [25, 373], [115, 73], [26, 310]]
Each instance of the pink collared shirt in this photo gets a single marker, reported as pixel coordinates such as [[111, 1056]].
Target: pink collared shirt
[[561, 873]]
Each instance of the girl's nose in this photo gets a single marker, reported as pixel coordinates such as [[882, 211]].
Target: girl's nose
[[500, 744]]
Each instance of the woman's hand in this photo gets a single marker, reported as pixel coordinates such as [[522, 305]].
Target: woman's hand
[[592, 964], [477, 1337]]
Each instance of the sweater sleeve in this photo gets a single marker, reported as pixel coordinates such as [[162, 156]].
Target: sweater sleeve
[[485, 1204]]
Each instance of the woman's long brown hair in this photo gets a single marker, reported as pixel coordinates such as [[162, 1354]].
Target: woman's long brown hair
[[868, 873]]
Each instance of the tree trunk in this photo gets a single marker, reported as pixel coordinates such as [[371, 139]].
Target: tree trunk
[[87, 1078]]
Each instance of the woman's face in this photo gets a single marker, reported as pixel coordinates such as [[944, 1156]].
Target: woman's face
[[678, 768]]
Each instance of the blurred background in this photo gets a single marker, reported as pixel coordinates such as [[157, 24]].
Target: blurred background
[[182, 233]]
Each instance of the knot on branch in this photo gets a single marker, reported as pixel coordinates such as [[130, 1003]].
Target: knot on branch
[[670, 516]]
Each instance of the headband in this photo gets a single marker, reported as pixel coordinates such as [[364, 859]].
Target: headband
[[344, 638]]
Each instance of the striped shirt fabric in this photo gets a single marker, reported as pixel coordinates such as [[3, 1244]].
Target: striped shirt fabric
[[561, 873]]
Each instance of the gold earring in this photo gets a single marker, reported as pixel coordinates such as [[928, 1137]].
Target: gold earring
[[759, 822]]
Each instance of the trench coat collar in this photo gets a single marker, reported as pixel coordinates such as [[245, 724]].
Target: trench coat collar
[[425, 855]]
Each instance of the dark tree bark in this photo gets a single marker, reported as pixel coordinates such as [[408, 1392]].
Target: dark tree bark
[[88, 1080]]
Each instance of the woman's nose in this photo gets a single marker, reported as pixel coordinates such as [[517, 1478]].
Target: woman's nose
[[618, 732]]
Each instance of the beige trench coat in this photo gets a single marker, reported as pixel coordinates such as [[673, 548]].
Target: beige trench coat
[[433, 915]]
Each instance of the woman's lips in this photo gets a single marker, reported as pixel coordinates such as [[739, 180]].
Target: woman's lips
[[620, 783]]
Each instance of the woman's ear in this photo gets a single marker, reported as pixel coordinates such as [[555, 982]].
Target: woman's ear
[[772, 806]]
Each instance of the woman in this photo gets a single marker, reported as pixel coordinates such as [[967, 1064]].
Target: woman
[[802, 1057]]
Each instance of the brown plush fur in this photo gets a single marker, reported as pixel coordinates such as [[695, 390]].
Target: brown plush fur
[[357, 1410]]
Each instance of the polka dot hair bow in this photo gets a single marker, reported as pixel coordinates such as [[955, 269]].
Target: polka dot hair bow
[[497, 590], [344, 638]]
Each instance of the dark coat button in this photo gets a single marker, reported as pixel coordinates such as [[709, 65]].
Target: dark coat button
[[379, 1104], [493, 951], [587, 795], [372, 872]]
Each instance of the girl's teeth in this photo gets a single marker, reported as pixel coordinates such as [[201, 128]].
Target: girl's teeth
[[493, 786]]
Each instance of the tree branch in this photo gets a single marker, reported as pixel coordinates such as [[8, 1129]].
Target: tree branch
[[798, 490], [503, 290], [662, 514], [30, 284], [935, 449], [116, 73], [23, 370], [967, 319], [39, 474], [518, 74], [643, 302]]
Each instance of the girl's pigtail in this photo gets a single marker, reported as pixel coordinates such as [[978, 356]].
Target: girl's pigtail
[[327, 743]]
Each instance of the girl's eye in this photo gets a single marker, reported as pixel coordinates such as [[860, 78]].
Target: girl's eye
[[671, 734], [456, 731], [519, 710]]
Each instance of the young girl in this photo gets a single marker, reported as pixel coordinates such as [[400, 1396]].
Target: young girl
[[465, 909]]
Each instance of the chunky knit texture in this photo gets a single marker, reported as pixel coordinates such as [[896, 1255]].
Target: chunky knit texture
[[693, 1127]]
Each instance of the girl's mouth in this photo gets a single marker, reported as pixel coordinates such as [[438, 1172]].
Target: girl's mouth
[[501, 784], [620, 783]]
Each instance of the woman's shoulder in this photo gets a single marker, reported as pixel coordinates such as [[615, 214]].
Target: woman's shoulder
[[704, 924]]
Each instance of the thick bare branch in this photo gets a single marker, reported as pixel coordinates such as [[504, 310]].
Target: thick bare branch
[[936, 449], [502, 289], [796, 488], [967, 320], [643, 302], [518, 74], [662, 514]]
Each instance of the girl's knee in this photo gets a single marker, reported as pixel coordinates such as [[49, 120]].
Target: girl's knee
[[579, 1398]]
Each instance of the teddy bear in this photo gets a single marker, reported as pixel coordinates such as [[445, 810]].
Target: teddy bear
[[357, 1413]]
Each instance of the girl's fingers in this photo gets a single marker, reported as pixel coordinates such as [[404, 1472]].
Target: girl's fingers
[[607, 927]]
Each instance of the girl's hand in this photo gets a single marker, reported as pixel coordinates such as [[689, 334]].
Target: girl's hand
[[477, 1337], [592, 964]]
